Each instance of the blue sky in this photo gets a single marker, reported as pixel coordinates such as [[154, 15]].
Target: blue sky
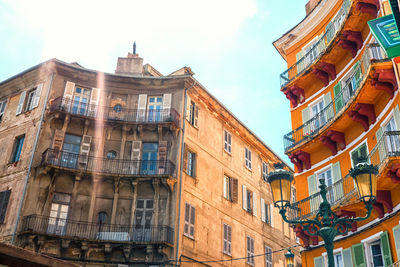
[[227, 43]]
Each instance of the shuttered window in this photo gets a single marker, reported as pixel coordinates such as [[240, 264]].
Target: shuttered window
[[396, 237], [347, 259], [264, 170], [247, 156], [189, 162], [266, 212], [190, 214], [360, 154], [4, 198], [18, 144], [230, 189], [227, 239], [319, 262], [227, 142], [193, 114], [250, 250], [268, 256], [3, 105], [358, 254]]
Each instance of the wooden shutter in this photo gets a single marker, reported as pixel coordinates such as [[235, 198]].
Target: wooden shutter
[[229, 236], [385, 245], [357, 252], [135, 156], [312, 189], [85, 149], [225, 186], [68, 93], [254, 204], [396, 237], [337, 176], [262, 210], [188, 102], [337, 92], [187, 219], [244, 197], [94, 102], [185, 158], [299, 62], [225, 238], [167, 101], [306, 114], [328, 102], [357, 73], [36, 97], [396, 116], [329, 30], [196, 116], [21, 102], [4, 198], [234, 190], [347, 259], [381, 146], [141, 110], [162, 156], [319, 262], [58, 139], [192, 220], [271, 214]]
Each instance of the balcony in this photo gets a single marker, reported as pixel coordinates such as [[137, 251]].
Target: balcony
[[138, 234], [342, 191], [137, 116], [131, 168], [373, 54]]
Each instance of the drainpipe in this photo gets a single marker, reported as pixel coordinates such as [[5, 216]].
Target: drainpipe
[[180, 173], [31, 160]]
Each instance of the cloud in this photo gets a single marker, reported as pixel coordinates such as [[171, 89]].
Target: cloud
[[90, 31]]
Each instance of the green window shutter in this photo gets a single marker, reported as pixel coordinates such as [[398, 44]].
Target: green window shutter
[[329, 32], [337, 92], [358, 255], [319, 262], [381, 146], [312, 189], [357, 72], [396, 116], [337, 176], [329, 105], [306, 114], [396, 236], [386, 253], [347, 259], [300, 61]]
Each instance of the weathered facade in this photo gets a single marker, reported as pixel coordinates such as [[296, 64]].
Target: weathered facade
[[132, 168], [343, 91]]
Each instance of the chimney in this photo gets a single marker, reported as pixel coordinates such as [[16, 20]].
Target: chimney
[[131, 65], [310, 5]]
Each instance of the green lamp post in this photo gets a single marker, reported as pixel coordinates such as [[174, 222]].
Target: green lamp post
[[289, 258], [326, 224]]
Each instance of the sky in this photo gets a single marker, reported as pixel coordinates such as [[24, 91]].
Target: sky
[[227, 44]]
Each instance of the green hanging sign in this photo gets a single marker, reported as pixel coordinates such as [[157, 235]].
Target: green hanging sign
[[386, 33]]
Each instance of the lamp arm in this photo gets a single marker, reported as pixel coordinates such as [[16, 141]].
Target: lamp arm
[[343, 221]]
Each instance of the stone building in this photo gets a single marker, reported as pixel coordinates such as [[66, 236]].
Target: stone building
[[132, 169]]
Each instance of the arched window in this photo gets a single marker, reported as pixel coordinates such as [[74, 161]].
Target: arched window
[[111, 154], [102, 217], [117, 108]]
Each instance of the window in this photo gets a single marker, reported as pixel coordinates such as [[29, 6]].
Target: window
[[338, 259], [227, 239], [266, 215], [29, 100], [155, 104], [293, 196], [268, 256], [58, 214], [264, 170], [247, 156], [117, 108], [4, 198], [249, 201], [81, 100], [18, 143], [111, 154], [250, 250], [102, 217], [359, 154], [191, 160], [193, 114], [327, 176], [316, 112], [230, 189], [2, 108], [190, 214], [227, 142]]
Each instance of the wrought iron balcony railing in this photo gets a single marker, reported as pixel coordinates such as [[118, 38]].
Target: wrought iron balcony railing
[[108, 166], [339, 192], [388, 146], [141, 234], [309, 129], [117, 113], [319, 47]]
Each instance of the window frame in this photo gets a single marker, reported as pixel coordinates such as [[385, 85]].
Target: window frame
[[227, 240], [190, 167], [264, 170], [30, 95], [17, 149], [5, 196], [357, 148], [247, 158], [227, 142], [189, 221], [3, 105], [268, 256], [250, 250]]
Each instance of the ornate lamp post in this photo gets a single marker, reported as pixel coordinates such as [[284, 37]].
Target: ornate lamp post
[[326, 223], [289, 258]]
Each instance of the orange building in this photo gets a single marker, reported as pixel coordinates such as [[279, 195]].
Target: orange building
[[344, 104]]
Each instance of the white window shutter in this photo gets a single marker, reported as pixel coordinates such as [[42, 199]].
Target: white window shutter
[[381, 145], [396, 237], [271, 209], [135, 156], [167, 98], [263, 210], [68, 93], [396, 115], [347, 258], [188, 100], [328, 101], [306, 115], [337, 176], [37, 95], [225, 185], [21, 102], [142, 101], [244, 197], [94, 101], [196, 116], [254, 204], [85, 149]]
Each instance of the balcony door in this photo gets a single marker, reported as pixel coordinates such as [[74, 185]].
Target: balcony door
[[392, 141], [318, 115], [71, 148], [155, 104], [143, 220], [149, 158], [80, 101], [58, 214]]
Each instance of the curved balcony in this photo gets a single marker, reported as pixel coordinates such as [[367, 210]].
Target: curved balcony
[[137, 116], [310, 129], [120, 167], [100, 232], [330, 38]]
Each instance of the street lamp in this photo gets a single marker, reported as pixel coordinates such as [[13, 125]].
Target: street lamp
[[326, 223], [289, 258]]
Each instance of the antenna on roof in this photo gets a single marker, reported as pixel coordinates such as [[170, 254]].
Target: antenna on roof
[[134, 48]]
